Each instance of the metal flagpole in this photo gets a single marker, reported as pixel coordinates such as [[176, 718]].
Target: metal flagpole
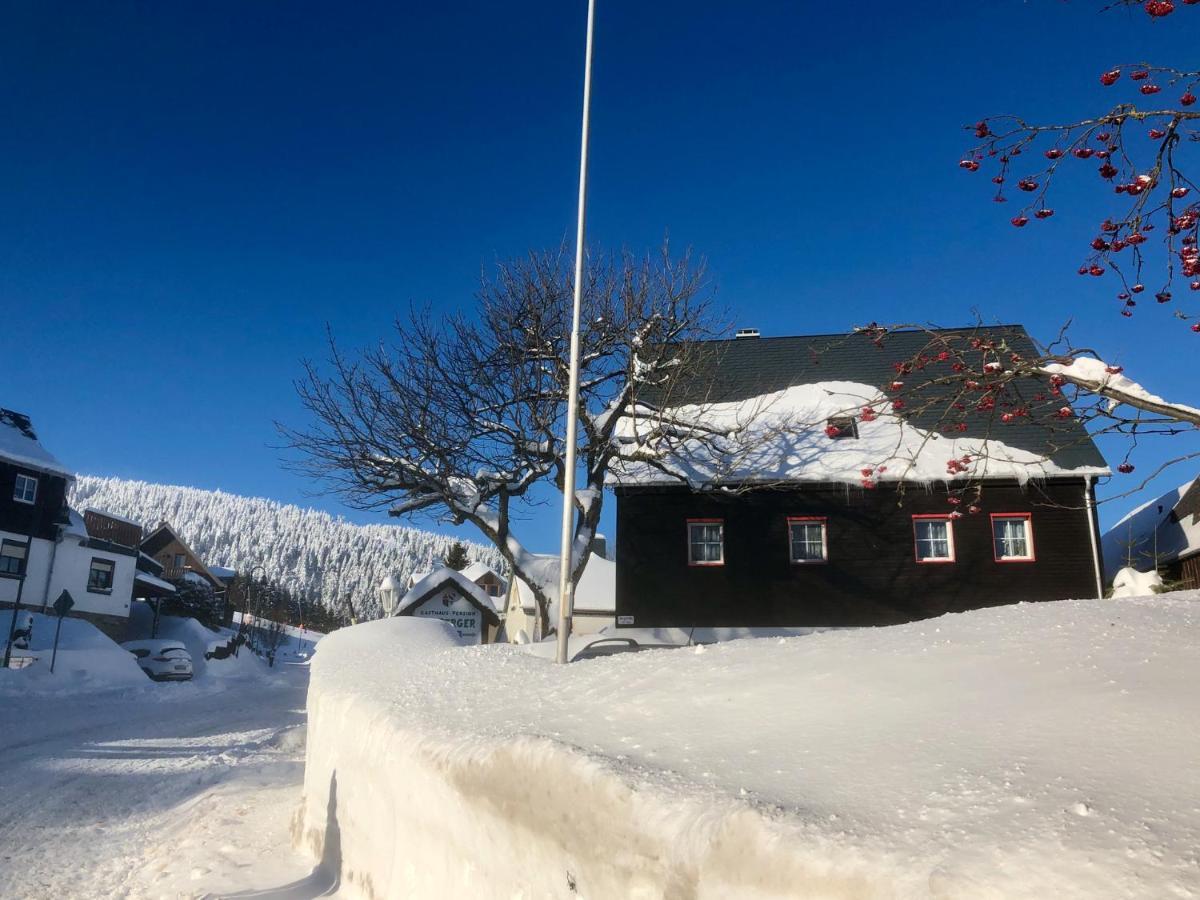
[[566, 599]]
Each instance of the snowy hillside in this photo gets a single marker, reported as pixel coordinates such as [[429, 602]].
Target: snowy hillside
[[1027, 751], [309, 552]]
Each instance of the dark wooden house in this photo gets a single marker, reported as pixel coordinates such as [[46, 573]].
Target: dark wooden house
[[857, 521]]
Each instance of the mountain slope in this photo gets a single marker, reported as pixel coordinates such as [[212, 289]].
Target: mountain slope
[[310, 553]]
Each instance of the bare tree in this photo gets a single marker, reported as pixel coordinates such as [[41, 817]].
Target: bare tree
[[464, 415]]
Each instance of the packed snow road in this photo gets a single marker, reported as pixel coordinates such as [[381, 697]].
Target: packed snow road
[[171, 790]]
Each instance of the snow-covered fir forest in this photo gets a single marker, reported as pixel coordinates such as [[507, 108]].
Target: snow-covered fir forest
[[310, 553]]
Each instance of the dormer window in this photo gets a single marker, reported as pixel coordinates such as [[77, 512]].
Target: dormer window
[[839, 427], [25, 489]]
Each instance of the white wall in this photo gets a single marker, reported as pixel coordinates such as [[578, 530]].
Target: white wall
[[71, 566], [37, 571]]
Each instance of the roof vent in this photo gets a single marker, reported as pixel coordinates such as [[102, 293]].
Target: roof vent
[[746, 333]]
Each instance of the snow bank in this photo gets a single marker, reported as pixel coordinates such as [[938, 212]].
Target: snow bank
[[87, 659], [1129, 582], [1037, 750]]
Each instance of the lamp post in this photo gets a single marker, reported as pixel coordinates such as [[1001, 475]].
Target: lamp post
[[389, 595], [566, 599]]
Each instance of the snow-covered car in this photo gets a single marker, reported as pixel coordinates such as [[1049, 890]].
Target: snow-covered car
[[162, 660]]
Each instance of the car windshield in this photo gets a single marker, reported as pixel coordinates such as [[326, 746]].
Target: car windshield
[[173, 651]]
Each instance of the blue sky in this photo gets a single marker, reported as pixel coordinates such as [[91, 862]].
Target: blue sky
[[191, 192]]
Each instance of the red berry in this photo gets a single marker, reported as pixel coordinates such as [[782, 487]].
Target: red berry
[[1019, 221], [1026, 184], [1125, 468], [1195, 285], [1114, 370], [1156, 133], [1110, 78], [1196, 328], [981, 129], [1082, 152], [997, 179], [973, 510], [1043, 213], [1096, 270], [1135, 239], [1122, 296], [969, 164], [1140, 75], [1188, 99], [1053, 153], [1150, 89], [1156, 9], [1138, 288], [1103, 136], [1099, 244], [1108, 170], [1179, 192], [1126, 313], [1163, 296]]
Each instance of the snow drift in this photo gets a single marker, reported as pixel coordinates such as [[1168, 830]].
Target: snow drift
[[1042, 750]]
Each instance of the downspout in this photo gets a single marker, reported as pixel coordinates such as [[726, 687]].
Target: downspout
[[58, 539], [1089, 499]]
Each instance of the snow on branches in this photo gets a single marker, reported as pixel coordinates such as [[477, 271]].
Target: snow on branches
[[465, 415]]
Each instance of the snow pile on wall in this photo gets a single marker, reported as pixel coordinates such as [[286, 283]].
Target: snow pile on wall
[[1043, 750]]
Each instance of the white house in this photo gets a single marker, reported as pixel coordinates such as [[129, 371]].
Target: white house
[[448, 595], [45, 546], [595, 601]]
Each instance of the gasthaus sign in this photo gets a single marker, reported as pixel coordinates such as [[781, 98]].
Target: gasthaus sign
[[451, 606]]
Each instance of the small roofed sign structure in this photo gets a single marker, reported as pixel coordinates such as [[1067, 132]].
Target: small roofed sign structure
[[445, 594]]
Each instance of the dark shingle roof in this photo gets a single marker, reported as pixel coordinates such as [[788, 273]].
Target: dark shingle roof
[[742, 368]]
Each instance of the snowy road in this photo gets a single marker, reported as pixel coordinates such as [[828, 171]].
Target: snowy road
[[172, 790]]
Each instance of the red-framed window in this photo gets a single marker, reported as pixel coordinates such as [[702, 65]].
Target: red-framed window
[[808, 542], [1012, 537], [933, 539], [706, 542]]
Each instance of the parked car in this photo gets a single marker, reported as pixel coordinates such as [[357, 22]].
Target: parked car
[[162, 660]]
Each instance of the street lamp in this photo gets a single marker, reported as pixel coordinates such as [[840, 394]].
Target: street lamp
[[566, 600], [389, 594]]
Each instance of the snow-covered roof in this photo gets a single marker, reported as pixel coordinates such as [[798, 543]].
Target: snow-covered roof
[[781, 393], [223, 572], [113, 516], [477, 570], [152, 581], [415, 577], [784, 440], [19, 444], [1167, 527], [440, 578], [596, 593]]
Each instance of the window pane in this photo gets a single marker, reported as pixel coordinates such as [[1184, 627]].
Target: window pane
[[704, 539], [1012, 539], [933, 539], [808, 541]]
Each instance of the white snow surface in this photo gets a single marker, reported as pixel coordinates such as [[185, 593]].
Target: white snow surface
[[1129, 582], [162, 791], [1036, 750], [783, 440]]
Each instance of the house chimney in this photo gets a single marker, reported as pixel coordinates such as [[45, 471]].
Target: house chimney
[[746, 333]]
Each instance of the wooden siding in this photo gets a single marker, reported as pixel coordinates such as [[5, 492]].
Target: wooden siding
[[39, 519], [871, 577]]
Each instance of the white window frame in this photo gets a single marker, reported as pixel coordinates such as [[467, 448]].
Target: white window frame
[[808, 520], [706, 523], [934, 560], [1027, 519], [20, 488]]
